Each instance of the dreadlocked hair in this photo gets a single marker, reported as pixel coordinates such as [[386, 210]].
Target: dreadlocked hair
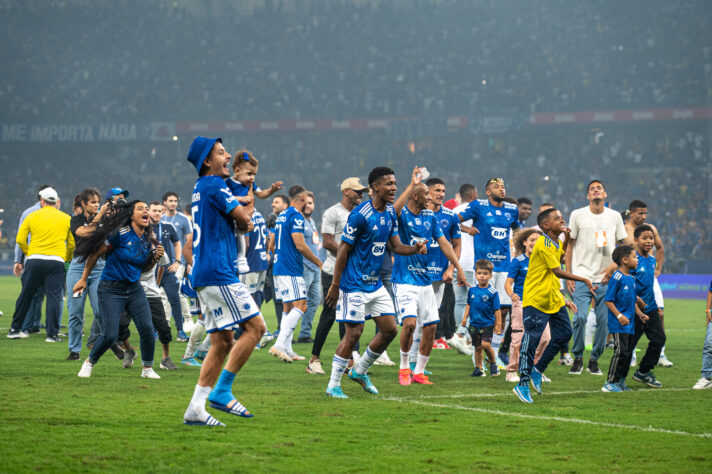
[[116, 217], [521, 237]]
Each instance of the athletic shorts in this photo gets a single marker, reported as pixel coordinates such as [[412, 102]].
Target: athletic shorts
[[192, 296], [658, 294], [254, 281], [224, 307], [498, 279], [439, 289], [413, 301], [358, 306], [480, 335], [289, 288]]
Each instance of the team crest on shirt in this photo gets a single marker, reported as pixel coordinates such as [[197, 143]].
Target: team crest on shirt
[[485, 298], [444, 222], [427, 225]]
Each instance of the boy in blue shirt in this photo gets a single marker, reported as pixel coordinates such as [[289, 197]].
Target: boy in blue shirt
[[484, 316]]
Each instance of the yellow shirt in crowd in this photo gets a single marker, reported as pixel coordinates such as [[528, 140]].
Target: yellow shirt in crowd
[[50, 234]]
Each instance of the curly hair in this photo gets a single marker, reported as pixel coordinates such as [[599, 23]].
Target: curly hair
[[521, 237]]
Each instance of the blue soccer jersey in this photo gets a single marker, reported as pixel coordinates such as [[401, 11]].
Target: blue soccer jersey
[[621, 292], [414, 228], [450, 226], [240, 190], [257, 248], [518, 272], [367, 231], [127, 255], [645, 279], [483, 303], [493, 224], [287, 259], [214, 245]]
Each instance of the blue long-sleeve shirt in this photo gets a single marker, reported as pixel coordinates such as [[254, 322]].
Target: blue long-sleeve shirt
[[19, 256]]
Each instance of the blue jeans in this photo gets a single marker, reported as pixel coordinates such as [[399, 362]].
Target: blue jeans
[[535, 322], [34, 314], [582, 298], [171, 285], [312, 278], [707, 354], [75, 306], [114, 298], [461, 295]]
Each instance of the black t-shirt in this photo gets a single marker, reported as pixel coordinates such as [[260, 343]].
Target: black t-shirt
[[76, 222]]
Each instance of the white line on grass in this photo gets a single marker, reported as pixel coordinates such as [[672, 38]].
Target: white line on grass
[[572, 392], [648, 428]]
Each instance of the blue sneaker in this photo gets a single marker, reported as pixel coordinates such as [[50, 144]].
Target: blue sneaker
[[648, 379], [200, 355], [536, 380], [622, 385], [190, 361], [425, 372], [504, 358], [182, 337], [335, 392], [522, 392], [477, 373], [364, 381], [494, 370], [611, 387]]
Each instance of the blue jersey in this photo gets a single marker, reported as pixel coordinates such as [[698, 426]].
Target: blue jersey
[[621, 292], [167, 235], [127, 255], [367, 231], [287, 259], [257, 248], [214, 245], [414, 228], [483, 303], [450, 226], [518, 272], [645, 279], [494, 223], [240, 190]]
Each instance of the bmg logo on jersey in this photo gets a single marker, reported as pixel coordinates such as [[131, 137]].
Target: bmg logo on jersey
[[500, 233], [348, 230], [378, 248]]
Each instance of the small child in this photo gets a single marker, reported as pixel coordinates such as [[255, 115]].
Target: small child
[[243, 187], [485, 317], [706, 374], [621, 300]]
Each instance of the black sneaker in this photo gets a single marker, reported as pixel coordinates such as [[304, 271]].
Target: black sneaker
[[73, 356], [610, 345], [305, 340], [577, 367], [593, 368], [13, 334], [117, 350], [129, 358]]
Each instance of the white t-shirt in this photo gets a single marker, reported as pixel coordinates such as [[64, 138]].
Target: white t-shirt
[[148, 279], [467, 242], [596, 236], [333, 222]]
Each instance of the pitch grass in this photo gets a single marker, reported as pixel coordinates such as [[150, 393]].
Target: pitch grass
[[53, 421]]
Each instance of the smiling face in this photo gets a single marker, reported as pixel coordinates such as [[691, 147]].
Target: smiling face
[[554, 223], [218, 161], [140, 216], [155, 212], [278, 205], [385, 188], [420, 196], [530, 242], [646, 241], [308, 206], [354, 197]]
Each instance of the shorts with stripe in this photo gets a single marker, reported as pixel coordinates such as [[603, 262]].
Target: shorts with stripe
[[224, 307], [254, 281], [289, 288], [358, 306], [414, 301]]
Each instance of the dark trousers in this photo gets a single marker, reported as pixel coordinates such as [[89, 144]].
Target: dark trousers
[[653, 330], [48, 275], [34, 314], [171, 285], [507, 339], [158, 318], [534, 323], [114, 298], [447, 327], [327, 318], [622, 354]]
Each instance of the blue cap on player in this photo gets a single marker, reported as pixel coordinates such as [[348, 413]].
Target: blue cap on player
[[115, 192], [199, 150]]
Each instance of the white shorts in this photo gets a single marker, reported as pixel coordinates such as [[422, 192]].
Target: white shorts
[[358, 306], [224, 307], [439, 289], [289, 288], [498, 279], [254, 281], [658, 294], [414, 301], [194, 306]]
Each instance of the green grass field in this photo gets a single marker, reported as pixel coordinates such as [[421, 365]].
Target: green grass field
[[53, 421]]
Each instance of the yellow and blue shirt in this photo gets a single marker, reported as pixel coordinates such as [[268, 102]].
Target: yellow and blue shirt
[[542, 289]]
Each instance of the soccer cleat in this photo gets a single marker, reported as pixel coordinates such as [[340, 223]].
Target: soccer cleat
[[648, 379], [622, 385], [335, 392], [522, 392], [593, 368], [663, 361], [192, 361], [412, 369], [209, 421], [364, 381], [611, 387], [53, 339], [167, 364], [566, 359], [421, 379], [512, 377], [494, 370], [458, 343], [73, 356], [149, 373], [294, 356], [315, 368], [200, 355], [384, 360], [405, 376], [85, 371], [182, 336], [577, 366], [536, 380], [129, 358], [440, 344], [242, 265], [634, 360], [478, 373], [265, 339], [117, 350], [279, 354], [702, 384]]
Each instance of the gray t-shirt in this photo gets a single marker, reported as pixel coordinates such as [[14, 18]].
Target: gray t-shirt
[[333, 222]]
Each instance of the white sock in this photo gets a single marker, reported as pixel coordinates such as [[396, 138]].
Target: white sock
[[496, 341], [241, 246], [196, 335], [366, 361], [289, 322], [338, 365], [420, 365], [662, 352], [404, 360], [196, 408]]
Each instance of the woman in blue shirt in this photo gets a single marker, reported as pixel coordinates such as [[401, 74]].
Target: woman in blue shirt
[[124, 236]]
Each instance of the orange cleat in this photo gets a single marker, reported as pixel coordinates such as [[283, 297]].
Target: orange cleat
[[422, 379], [404, 376]]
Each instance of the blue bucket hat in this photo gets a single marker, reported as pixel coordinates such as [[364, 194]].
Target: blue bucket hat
[[115, 192], [199, 150]]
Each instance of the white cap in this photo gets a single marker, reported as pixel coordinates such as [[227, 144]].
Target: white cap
[[49, 195]]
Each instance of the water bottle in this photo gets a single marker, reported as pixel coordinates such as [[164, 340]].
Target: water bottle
[[423, 174]]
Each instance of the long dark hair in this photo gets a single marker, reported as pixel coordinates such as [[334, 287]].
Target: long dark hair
[[116, 217]]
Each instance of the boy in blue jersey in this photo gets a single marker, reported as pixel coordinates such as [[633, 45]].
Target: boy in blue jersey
[[226, 303], [644, 238], [416, 303], [483, 317], [621, 301], [290, 250], [357, 291]]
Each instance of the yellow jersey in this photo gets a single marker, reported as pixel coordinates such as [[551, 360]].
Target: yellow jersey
[[542, 289], [51, 237]]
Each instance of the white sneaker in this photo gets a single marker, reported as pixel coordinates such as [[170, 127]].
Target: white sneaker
[[546, 379], [242, 266], [85, 371], [294, 355], [702, 384], [149, 373], [356, 357], [512, 377], [663, 361], [458, 343], [188, 325], [315, 368], [383, 359]]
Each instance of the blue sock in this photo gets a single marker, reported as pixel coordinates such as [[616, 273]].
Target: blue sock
[[222, 393]]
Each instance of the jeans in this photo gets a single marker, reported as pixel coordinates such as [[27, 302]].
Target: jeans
[[46, 274], [707, 354], [582, 298], [653, 330], [171, 285], [461, 294], [114, 298], [534, 324], [75, 306], [312, 278]]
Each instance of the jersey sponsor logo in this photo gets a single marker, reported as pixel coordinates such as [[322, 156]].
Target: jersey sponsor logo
[[415, 269], [382, 220], [417, 221], [500, 233], [217, 312], [243, 293], [298, 221], [348, 230], [489, 214], [356, 300], [414, 240], [370, 279], [495, 257], [378, 248]]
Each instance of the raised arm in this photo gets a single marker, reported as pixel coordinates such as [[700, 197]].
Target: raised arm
[[403, 198]]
